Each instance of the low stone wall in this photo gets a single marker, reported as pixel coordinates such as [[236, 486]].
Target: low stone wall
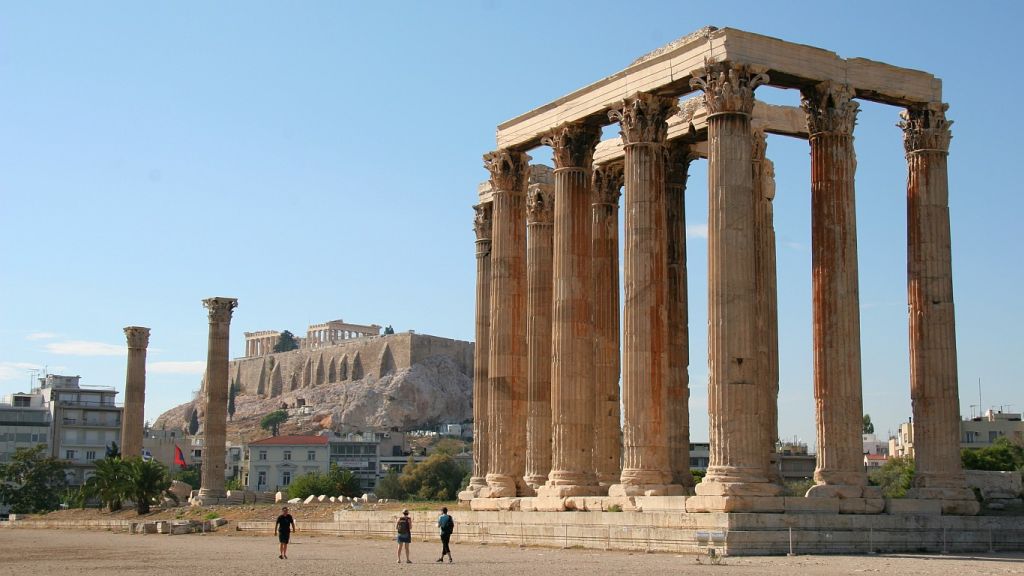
[[111, 524]]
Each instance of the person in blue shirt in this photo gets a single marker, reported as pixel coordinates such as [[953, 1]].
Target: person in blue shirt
[[447, 525]]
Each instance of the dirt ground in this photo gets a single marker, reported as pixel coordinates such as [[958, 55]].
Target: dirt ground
[[28, 552]]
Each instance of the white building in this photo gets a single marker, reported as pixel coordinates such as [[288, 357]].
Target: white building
[[277, 461], [24, 423], [86, 420]]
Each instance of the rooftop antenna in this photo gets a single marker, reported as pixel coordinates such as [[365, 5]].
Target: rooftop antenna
[[980, 405]]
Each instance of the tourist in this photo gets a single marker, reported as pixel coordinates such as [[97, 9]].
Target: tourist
[[447, 525], [404, 529], [283, 529]]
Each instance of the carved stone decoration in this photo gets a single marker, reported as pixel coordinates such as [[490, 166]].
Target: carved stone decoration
[[572, 144], [830, 108], [728, 89], [607, 182], [540, 204], [482, 221], [926, 128], [138, 337], [220, 308], [644, 118], [508, 168]]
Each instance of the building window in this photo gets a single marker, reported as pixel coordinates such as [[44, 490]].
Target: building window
[[90, 455], [311, 455], [261, 480], [69, 454], [287, 454], [263, 454], [992, 435], [286, 478]]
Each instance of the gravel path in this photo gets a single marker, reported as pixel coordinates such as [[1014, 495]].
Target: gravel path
[[28, 552]]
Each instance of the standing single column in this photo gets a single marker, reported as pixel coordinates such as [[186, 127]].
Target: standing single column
[[572, 327], [645, 467], [539, 218], [677, 410], [933, 371], [831, 116], [506, 375], [482, 227], [607, 186], [134, 392], [737, 464], [767, 314], [215, 424]]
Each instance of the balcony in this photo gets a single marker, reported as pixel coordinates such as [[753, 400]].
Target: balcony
[[91, 404]]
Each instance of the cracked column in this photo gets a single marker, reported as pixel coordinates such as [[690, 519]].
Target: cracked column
[[482, 228], [215, 420], [134, 392], [736, 475], [506, 394], [572, 326], [539, 254], [645, 467], [767, 314], [831, 117], [677, 409], [607, 185], [933, 371]]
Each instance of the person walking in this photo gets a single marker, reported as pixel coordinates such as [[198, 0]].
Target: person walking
[[447, 525], [404, 529], [283, 529]]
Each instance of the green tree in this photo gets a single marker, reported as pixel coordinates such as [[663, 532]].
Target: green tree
[[232, 392], [286, 342], [32, 482], [191, 475], [390, 487], [110, 483], [894, 477], [193, 423], [343, 482], [436, 478], [388, 330], [336, 482], [113, 450], [449, 446], [234, 484], [869, 428], [272, 422], [1002, 455], [147, 482]]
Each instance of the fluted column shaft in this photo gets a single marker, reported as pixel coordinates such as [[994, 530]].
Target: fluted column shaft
[[133, 419], [215, 423], [481, 350], [506, 376], [645, 466], [572, 328], [933, 370], [607, 183], [539, 204], [677, 409], [831, 115]]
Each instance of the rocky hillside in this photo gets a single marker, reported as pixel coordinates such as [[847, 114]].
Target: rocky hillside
[[428, 393]]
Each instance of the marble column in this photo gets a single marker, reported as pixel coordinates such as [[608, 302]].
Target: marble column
[[677, 410], [766, 294], [737, 463], [539, 253], [831, 116], [481, 350], [215, 423], [572, 326], [506, 394], [645, 467], [607, 185], [133, 419], [933, 371]]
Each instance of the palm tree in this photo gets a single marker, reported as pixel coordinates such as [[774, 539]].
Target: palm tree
[[148, 481], [110, 483]]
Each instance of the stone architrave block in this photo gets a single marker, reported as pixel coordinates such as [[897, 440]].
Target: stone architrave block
[[295, 501], [549, 504], [802, 505], [661, 503], [309, 499], [484, 504], [912, 506], [735, 504]]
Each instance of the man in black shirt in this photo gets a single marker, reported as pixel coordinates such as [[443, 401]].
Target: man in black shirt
[[283, 529]]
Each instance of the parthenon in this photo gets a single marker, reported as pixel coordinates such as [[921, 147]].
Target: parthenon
[[548, 284], [262, 343]]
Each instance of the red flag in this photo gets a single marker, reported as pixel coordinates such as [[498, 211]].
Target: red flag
[[179, 457]]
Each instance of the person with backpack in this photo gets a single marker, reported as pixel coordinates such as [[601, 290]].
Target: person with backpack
[[404, 529], [447, 525]]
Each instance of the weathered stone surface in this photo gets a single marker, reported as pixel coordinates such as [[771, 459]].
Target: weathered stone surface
[[134, 391], [735, 503], [216, 396], [661, 503], [802, 505], [912, 506], [1001, 485]]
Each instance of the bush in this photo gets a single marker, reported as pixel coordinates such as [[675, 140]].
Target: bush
[[798, 487], [1002, 455], [189, 475], [390, 487], [436, 478], [894, 477], [337, 482], [32, 482]]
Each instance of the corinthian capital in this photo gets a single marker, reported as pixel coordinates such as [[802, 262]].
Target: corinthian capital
[[728, 88], [220, 308], [540, 204], [608, 181], [926, 128], [830, 108], [508, 168], [644, 118], [482, 219], [572, 144], [138, 337]]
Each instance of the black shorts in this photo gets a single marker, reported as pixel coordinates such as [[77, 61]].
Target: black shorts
[[282, 537]]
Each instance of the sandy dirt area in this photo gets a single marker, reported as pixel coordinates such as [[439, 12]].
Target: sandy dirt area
[[29, 552]]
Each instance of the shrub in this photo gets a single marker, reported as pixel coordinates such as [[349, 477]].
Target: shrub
[[894, 477]]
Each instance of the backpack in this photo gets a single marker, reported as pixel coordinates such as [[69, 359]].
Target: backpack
[[403, 525], [448, 526]]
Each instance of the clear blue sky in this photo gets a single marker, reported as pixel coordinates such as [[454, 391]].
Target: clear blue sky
[[318, 160]]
